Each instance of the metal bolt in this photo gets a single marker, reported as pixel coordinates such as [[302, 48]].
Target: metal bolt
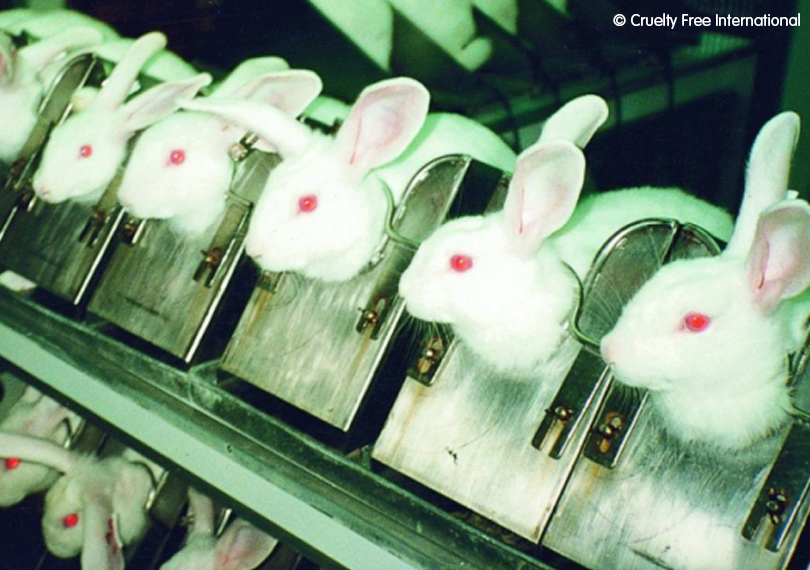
[[776, 505], [563, 414]]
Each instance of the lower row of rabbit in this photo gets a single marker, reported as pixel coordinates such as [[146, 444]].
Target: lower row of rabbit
[[104, 506]]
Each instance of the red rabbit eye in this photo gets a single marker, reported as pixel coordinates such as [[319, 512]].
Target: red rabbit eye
[[461, 263], [71, 520], [85, 151], [177, 156], [696, 322], [308, 203], [12, 463]]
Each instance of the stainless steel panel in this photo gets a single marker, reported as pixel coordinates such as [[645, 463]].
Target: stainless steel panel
[[167, 288], [640, 499], [320, 345], [58, 246]]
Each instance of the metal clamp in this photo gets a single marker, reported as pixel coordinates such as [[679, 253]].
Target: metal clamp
[[574, 397], [427, 362], [784, 491]]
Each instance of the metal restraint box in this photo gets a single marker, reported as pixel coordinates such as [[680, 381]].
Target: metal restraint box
[[184, 294], [640, 499], [505, 447], [58, 246], [319, 346]]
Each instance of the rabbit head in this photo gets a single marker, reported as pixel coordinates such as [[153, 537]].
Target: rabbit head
[[322, 211], [506, 296], [83, 154], [33, 415], [709, 337], [180, 168], [23, 83]]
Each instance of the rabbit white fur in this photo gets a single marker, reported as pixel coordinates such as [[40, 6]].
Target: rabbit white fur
[[83, 153], [507, 281], [33, 415], [95, 508], [241, 547], [710, 337], [24, 79], [369, 24], [323, 209], [450, 24], [180, 169]]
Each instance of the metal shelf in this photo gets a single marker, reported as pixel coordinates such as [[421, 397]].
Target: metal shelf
[[333, 510]]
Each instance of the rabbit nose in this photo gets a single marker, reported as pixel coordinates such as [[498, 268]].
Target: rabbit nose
[[126, 202]]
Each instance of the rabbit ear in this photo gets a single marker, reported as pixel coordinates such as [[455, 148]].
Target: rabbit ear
[[291, 91], [158, 102], [543, 193], [123, 76], [767, 178], [36, 450], [102, 548], [41, 53], [576, 121], [242, 547], [286, 134], [382, 123], [778, 265], [245, 72]]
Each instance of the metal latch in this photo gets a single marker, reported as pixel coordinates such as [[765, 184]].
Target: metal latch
[[432, 351], [132, 231], [225, 241], [614, 424], [373, 315], [574, 397], [239, 151], [784, 490]]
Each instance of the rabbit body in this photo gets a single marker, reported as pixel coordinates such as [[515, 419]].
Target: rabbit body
[[709, 338]]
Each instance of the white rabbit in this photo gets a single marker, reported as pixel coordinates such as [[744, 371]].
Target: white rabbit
[[95, 508], [180, 169], [241, 547], [710, 337], [33, 415], [24, 78], [507, 281], [323, 209], [83, 153], [369, 24], [450, 24]]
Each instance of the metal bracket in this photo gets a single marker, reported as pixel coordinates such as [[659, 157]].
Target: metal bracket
[[574, 397], [431, 354], [614, 424], [784, 490], [225, 242]]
